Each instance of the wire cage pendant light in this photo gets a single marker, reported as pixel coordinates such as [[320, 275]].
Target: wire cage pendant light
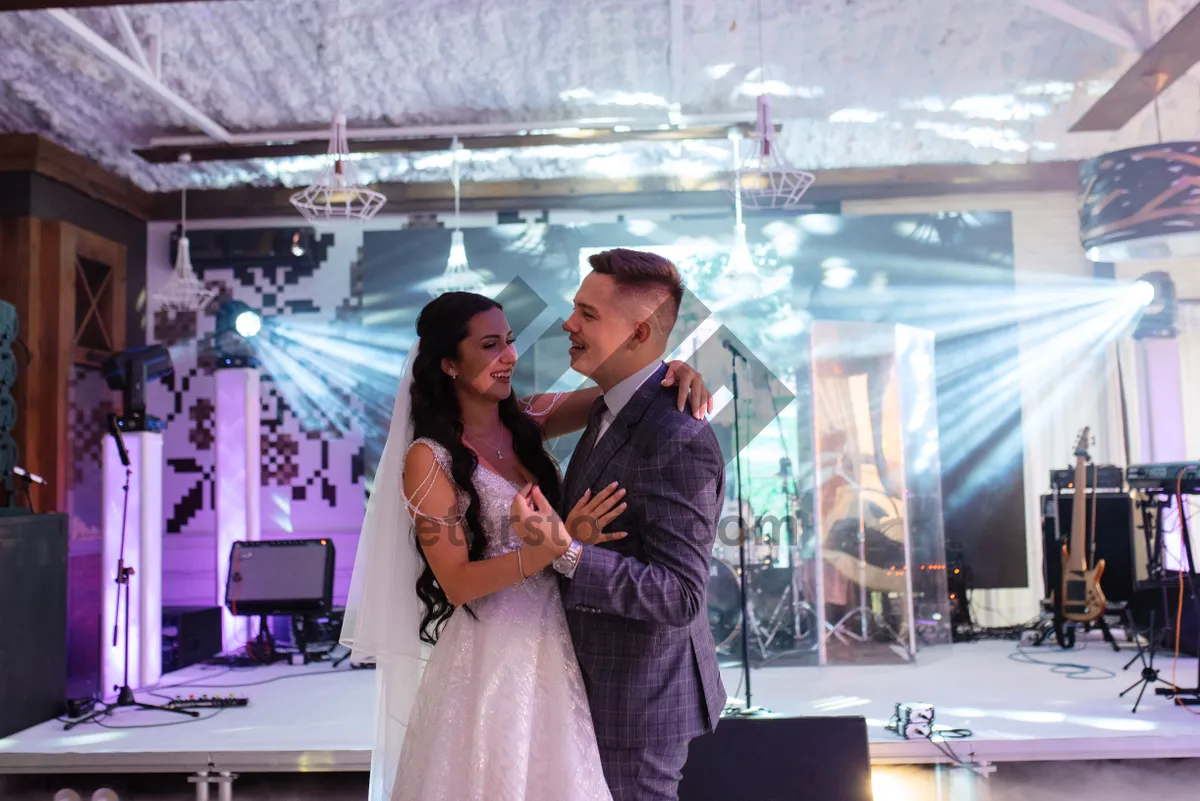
[[337, 194]]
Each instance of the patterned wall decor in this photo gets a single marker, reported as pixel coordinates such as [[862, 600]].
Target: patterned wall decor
[[89, 402], [306, 461], [311, 467]]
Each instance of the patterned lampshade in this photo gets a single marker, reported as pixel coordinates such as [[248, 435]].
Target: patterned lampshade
[[1141, 203]]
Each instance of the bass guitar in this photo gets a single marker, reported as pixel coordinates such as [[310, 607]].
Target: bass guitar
[[1082, 600]]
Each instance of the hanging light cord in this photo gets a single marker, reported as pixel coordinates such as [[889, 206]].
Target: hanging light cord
[[455, 178]]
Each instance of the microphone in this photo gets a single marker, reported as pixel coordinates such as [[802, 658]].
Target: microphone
[[32, 478], [114, 428], [729, 346]]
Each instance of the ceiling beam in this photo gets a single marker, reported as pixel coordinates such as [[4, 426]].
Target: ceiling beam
[[129, 37], [169, 154], [831, 187], [1165, 62], [101, 47], [33, 154], [1084, 21], [39, 5]]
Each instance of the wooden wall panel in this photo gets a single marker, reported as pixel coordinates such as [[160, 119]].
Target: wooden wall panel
[[37, 275]]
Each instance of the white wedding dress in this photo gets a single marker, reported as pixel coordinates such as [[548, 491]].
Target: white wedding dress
[[501, 713]]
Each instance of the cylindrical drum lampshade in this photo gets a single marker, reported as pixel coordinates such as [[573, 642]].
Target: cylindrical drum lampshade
[[1141, 203]]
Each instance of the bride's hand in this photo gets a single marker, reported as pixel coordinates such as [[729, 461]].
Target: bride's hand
[[539, 525], [587, 520], [690, 382]]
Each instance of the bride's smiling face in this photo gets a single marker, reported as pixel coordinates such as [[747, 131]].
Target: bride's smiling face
[[485, 357]]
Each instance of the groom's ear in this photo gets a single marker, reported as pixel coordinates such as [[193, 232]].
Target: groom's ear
[[643, 331]]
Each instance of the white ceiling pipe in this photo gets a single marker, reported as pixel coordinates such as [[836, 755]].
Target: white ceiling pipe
[[116, 58]]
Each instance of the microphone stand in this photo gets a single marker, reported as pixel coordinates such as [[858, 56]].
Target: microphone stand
[[748, 710], [125, 695]]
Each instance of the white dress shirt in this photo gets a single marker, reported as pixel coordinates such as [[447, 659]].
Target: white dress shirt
[[617, 397], [614, 401]]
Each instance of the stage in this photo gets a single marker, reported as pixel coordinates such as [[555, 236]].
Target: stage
[[316, 718]]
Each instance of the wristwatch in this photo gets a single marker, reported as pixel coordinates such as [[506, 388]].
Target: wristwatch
[[567, 563]]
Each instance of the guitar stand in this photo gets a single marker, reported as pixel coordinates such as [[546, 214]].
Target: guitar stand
[[1106, 630]]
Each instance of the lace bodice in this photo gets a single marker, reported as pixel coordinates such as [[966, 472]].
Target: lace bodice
[[495, 502]]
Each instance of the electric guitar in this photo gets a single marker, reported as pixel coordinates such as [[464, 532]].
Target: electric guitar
[[1082, 599]]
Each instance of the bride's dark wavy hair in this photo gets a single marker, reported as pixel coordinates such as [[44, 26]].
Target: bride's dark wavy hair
[[442, 326]]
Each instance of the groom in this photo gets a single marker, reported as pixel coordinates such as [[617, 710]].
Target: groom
[[637, 607]]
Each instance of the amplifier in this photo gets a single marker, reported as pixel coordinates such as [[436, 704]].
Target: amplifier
[[280, 577], [1114, 541], [33, 620], [1106, 478], [1166, 477], [1161, 596], [190, 634]]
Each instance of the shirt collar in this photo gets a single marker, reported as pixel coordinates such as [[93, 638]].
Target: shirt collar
[[617, 397]]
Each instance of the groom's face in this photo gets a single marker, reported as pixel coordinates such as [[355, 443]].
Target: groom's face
[[600, 328]]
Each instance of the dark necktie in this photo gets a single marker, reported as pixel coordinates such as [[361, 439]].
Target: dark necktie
[[592, 432], [586, 442]]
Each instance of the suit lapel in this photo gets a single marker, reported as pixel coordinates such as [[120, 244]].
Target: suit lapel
[[617, 435]]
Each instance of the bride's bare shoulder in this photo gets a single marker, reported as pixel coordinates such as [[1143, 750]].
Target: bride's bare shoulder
[[427, 483]]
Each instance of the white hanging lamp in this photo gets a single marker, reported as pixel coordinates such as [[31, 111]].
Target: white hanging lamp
[[765, 180], [336, 194], [458, 277], [184, 291], [740, 280]]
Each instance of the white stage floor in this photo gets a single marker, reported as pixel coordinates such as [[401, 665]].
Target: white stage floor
[[316, 718]]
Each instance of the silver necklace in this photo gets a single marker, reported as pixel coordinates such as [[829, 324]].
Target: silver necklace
[[496, 447]]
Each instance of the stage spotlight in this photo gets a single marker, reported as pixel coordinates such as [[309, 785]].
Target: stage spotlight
[[237, 325], [1144, 292], [237, 317], [104, 794], [128, 372], [1155, 292], [66, 795], [248, 324]]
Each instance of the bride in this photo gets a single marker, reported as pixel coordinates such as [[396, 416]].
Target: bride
[[499, 709]]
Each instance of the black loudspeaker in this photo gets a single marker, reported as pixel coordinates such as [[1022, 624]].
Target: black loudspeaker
[[190, 634], [8, 407], [280, 577], [780, 759], [33, 620], [1114, 542], [1161, 596]]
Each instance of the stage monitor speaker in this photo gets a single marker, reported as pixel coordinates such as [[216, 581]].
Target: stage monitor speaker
[[190, 634], [9, 332], [33, 620], [280, 577], [780, 759], [1114, 542], [1162, 597]]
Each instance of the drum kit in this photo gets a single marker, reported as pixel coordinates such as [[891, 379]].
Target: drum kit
[[864, 540], [774, 597]]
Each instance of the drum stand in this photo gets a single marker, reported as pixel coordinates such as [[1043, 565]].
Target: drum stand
[[841, 629], [865, 613]]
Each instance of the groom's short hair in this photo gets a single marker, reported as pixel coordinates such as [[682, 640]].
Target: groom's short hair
[[647, 272]]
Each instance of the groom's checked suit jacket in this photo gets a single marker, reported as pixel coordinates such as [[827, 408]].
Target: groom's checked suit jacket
[[637, 607]]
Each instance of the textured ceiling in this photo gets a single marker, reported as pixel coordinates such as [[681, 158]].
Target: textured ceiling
[[855, 82]]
